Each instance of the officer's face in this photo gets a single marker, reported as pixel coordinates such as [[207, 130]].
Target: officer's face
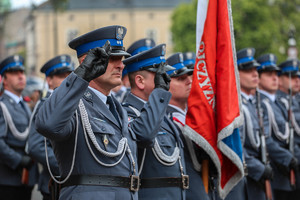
[[248, 80], [268, 81], [113, 75], [14, 81], [55, 80], [180, 88], [284, 84]]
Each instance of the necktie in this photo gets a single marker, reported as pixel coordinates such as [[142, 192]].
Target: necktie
[[112, 107]]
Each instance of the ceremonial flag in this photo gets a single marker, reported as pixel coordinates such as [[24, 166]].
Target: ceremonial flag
[[214, 108]]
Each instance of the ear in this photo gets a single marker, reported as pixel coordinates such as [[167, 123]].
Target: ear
[[49, 81], [139, 81]]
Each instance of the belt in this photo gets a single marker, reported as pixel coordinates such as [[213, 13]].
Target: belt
[[182, 182], [132, 182]]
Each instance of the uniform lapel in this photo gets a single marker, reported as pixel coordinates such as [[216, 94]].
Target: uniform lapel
[[92, 98]]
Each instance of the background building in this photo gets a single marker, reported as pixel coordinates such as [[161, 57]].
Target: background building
[[47, 33]]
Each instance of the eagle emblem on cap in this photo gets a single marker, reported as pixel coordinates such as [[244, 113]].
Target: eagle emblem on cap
[[120, 32], [249, 52], [295, 63], [163, 50], [180, 57], [272, 58], [63, 58], [148, 42], [16, 58], [189, 55]]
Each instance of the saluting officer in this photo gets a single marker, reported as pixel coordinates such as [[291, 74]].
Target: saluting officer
[[94, 147], [181, 78], [15, 182], [161, 162], [274, 114], [138, 46], [55, 70], [288, 87]]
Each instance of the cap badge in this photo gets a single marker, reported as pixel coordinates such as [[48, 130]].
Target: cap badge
[[163, 50], [120, 32], [189, 55], [249, 52], [148, 43], [180, 57], [16, 58], [272, 58]]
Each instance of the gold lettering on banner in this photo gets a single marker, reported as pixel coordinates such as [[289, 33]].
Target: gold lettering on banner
[[203, 78]]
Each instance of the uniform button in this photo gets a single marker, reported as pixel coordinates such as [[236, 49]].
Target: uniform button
[[67, 84], [161, 100]]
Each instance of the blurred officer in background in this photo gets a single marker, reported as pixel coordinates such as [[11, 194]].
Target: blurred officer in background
[[120, 92], [81, 114], [33, 91], [181, 78], [55, 70], [17, 170], [162, 165], [288, 88], [277, 118]]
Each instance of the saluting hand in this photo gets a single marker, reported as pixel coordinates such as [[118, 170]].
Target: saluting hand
[[95, 63], [162, 79]]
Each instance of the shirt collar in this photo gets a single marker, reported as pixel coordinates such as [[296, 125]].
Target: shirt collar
[[247, 97], [140, 98], [16, 98], [272, 97], [99, 94], [178, 109]]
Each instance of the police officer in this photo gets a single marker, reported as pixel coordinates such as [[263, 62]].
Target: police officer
[[162, 163], [138, 46], [181, 78], [288, 87], [18, 175], [56, 70], [94, 147], [189, 59], [273, 112]]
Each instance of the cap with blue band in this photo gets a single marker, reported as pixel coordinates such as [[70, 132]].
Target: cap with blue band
[[140, 46], [268, 62], [57, 65], [245, 59], [136, 66], [147, 60], [176, 61], [84, 48], [290, 66], [98, 37], [14, 62]]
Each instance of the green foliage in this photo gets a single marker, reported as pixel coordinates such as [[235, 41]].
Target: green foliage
[[184, 26], [59, 5], [263, 24]]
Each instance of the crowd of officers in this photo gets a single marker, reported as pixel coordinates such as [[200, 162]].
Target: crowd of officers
[[113, 127]]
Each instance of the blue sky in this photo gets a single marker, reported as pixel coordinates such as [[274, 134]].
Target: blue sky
[[24, 3]]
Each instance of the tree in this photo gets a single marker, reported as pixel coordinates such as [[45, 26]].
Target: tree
[[263, 24], [183, 27], [58, 6]]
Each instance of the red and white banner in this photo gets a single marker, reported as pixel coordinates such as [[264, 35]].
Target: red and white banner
[[214, 108]]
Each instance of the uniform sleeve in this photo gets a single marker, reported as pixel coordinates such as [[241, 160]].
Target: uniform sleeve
[[7, 155], [56, 117], [146, 126], [277, 153], [255, 167], [36, 149]]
